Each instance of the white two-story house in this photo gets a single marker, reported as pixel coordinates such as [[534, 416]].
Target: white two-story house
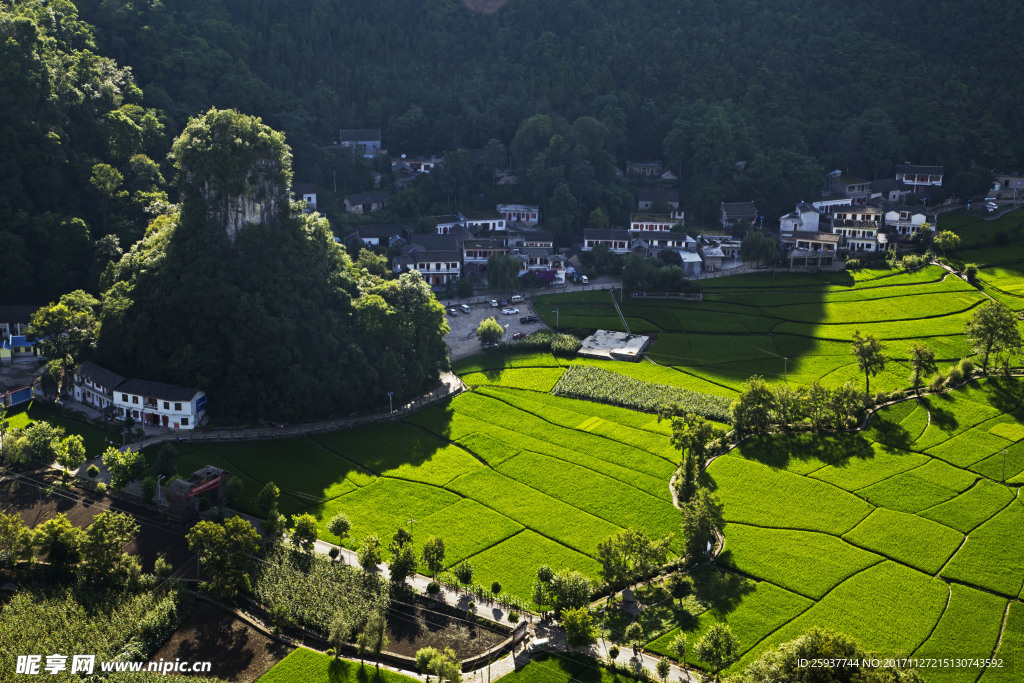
[[159, 404], [904, 222], [858, 228]]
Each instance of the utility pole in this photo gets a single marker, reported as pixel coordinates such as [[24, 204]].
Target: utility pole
[[391, 404], [556, 317]]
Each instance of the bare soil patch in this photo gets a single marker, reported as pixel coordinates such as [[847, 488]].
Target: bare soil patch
[[429, 625], [37, 499], [238, 652]]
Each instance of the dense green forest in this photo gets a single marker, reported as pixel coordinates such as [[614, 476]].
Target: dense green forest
[[741, 99]]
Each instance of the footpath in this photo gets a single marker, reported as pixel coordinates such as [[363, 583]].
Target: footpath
[[451, 385]]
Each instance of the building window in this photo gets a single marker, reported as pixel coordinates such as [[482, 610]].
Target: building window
[[135, 399], [184, 422], [124, 397], [167, 405], [177, 406]]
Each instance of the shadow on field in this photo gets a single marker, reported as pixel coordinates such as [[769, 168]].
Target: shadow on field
[[941, 416], [780, 450]]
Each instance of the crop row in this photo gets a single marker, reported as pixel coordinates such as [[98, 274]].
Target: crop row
[[601, 385]]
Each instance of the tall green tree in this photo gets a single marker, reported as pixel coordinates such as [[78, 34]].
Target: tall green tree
[[993, 328], [225, 551], [105, 541], [64, 330], [124, 466], [490, 331], [702, 519], [752, 410], [870, 356], [719, 647], [433, 554], [695, 437]]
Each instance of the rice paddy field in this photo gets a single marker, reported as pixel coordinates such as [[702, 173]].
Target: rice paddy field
[[793, 327], [906, 542], [907, 535]]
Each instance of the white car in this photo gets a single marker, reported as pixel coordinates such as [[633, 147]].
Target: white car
[[494, 302], [510, 311], [990, 199]]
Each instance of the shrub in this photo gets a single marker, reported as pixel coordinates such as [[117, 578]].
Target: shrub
[[433, 588], [148, 486], [93, 471], [853, 264], [513, 617], [937, 382], [495, 588], [971, 271], [559, 343], [101, 488], [613, 652], [333, 553], [954, 377], [966, 367]]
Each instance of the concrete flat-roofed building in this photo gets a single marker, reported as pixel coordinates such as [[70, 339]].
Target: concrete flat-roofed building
[[14, 320], [525, 214], [378, 234], [477, 250], [487, 221], [649, 198], [366, 202], [857, 189], [365, 140], [612, 345], [904, 223], [655, 222], [918, 178], [617, 241]]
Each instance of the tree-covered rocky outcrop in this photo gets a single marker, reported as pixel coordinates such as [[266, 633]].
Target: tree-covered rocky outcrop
[[236, 293]]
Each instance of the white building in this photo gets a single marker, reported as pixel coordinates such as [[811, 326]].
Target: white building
[[491, 221], [520, 213], [918, 179], [94, 386], [804, 218], [158, 404], [655, 222], [858, 228], [904, 222], [617, 241]]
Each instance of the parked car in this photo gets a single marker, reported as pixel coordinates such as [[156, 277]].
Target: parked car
[[990, 199], [490, 347], [464, 307], [584, 280], [510, 311], [453, 310], [528, 319], [518, 335], [540, 645], [494, 302], [516, 298]]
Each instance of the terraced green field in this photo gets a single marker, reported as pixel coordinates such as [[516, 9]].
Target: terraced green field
[[910, 550], [509, 478], [794, 327]]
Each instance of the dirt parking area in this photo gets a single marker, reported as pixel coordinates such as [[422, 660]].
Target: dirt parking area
[[462, 338]]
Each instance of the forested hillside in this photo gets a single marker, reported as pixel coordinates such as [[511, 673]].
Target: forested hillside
[[743, 100], [788, 86]]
